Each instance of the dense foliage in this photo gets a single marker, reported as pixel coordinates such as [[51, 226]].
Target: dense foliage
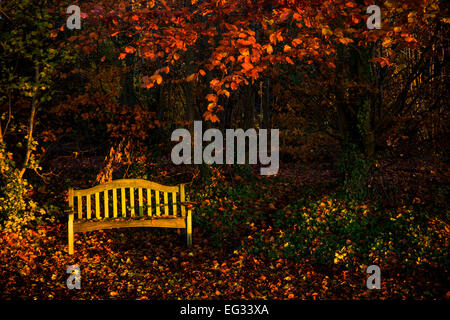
[[364, 176]]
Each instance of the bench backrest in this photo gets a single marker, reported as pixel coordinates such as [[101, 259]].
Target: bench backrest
[[135, 196]]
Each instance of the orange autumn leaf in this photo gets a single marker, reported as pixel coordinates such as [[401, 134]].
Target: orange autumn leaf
[[214, 83], [212, 97], [345, 40], [247, 66], [387, 42], [289, 60], [191, 77], [157, 78], [350, 4], [211, 117]]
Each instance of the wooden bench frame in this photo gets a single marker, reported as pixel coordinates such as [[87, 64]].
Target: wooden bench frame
[[165, 220]]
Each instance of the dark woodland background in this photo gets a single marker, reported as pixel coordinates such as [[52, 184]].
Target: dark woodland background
[[364, 154]]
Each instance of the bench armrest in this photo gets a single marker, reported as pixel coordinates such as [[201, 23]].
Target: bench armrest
[[190, 205]]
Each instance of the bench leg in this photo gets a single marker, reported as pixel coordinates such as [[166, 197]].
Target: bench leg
[[189, 228], [70, 233]]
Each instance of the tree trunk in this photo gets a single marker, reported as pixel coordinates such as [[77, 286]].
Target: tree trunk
[[34, 105]]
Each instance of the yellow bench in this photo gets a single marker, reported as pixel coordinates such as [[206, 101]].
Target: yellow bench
[[164, 207]]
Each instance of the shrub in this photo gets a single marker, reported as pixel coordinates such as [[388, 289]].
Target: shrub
[[354, 169], [16, 207], [332, 231], [224, 214]]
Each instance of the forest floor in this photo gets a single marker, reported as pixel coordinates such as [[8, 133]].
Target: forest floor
[[152, 264]]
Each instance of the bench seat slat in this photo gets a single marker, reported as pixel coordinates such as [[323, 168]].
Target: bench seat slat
[[88, 206], [166, 203], [158, 207], [182, 199], [85, 226], [106, 202], [132, 201], [141, 202], [149, 202], [80, 210], [174, 201], [122, 198], [114, 191], [97, 205]]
